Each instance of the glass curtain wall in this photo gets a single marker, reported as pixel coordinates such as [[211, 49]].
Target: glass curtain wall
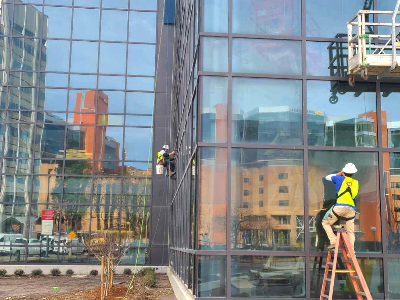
[[270, 113], [76, 104]]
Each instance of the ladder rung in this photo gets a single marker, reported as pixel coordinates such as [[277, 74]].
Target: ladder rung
[[327, 279], [344, 271], [329, 264], [325, 296], [361, 293], [355, 277]]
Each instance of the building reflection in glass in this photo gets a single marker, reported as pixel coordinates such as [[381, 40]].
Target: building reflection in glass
[[267, 199], [64, 151]]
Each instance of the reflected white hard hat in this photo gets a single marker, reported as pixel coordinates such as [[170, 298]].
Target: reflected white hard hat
[[166, 147], [350, 168]]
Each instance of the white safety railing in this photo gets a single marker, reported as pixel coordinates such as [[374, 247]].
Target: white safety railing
[[362, 44]]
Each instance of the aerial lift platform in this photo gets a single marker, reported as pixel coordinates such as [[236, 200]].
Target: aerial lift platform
[[372, 54]]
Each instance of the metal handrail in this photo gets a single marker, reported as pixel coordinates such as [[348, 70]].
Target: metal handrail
[[396, 10]]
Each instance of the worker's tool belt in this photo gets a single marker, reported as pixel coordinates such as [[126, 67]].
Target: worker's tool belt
[[343, 218]]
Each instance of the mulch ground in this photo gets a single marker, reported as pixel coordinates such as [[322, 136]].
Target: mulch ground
[[74, 288]]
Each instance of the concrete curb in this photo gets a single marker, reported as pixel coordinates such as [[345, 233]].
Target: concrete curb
[[78, 269], [180, 290]]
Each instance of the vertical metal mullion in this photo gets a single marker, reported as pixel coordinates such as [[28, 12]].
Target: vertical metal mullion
[[305, 152], [95, 129], [34, 131], [122, 181], [229, 158], [382, 195]]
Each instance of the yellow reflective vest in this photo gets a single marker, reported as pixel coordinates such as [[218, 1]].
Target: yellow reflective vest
[[348, 192]]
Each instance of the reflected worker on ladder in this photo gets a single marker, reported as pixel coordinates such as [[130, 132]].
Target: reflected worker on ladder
[[167, 160], [344, 208]]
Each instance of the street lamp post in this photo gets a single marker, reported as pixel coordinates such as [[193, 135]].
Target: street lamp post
[[373, 229]]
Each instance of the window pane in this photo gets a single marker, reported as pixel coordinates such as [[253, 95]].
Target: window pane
[[53, 99], [115, 3], [139, 103], [53, 79], [94, 3], [322, 195], [114, 102], [16, 166], [212, 200], [212, 276], [22, 98], [339, 116], [77, 189], [268, 276], [267, 17], [131, 221], [107, 191], [28, 20], [138, 191], [114, 25], [372, 268], [137, 143], [390, 119], [138, 121], [86, 24], [83, 81], [214, 110], [84, 57], [215, 54], [55, 2], [141, 60], [267, 111], [108, 143], [328, 18], [391, 178], [18, 139], [26, 53], [59, 22], [266, 56], [78, 167], [140, 84], [139, 4], [259, 222], [112, 58], [52, 139], [393, 277], [77, 219], [142, 27], [112, 82], [326, 59], [215, 16]]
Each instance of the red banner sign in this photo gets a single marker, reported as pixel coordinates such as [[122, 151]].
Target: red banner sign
[[47, 214]]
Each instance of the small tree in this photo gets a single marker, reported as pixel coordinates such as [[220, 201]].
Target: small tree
[[111, 248]]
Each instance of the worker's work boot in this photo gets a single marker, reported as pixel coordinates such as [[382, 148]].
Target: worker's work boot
[[331, 247]]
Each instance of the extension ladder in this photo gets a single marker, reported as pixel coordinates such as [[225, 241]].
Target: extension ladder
[[342, 241]]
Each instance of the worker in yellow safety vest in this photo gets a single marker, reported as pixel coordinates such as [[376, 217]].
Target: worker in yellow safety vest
[[167, 160], [344, 208]]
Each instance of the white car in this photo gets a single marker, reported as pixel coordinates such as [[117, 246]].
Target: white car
[[8, 239]]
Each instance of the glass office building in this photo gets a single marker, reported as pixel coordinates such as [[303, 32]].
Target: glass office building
[[262, 113], [76, 104]]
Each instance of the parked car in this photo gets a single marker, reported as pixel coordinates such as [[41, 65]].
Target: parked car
[[75, 246], [7, 240]]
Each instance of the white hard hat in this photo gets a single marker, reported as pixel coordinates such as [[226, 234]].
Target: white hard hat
[[166, 147], [350, 168]]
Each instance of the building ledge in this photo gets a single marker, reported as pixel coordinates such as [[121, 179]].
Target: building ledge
[[180, 290]]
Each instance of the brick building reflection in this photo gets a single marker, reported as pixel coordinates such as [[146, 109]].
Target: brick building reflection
[[267, 194]]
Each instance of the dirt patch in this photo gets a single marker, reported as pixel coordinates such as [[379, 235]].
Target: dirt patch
[[77, 288]]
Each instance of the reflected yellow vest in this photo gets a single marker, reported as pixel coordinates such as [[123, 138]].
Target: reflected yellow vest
[[348, 192]]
